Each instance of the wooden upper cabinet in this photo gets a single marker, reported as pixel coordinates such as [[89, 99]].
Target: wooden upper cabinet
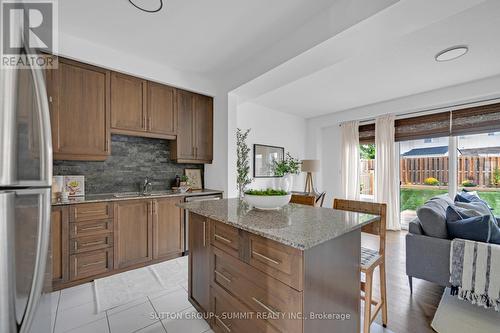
[[183, 147], [162, 118], [79, 105], [194, 142], [133, 233], [168, 228], [203, 127], [128, 104]]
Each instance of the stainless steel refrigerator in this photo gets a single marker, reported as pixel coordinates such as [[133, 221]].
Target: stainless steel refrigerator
[[25, 181]]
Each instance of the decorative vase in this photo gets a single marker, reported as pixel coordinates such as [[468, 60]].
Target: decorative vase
[[286, 182]]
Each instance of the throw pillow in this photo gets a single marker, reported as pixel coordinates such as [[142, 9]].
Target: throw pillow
[[495, 234], [432, 216], [470, 197], [478, 206], [454, 213], [476, 228]]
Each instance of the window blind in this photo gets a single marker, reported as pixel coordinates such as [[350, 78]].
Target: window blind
[[473, 120]]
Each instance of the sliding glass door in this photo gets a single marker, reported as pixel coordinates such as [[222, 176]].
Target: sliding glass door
[[424, 173], [478, 166]]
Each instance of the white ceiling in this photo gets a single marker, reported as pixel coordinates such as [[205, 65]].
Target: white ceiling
[[392, 68], [207, 37]]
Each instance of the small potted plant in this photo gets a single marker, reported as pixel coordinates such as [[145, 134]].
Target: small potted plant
[[285, 169], [268, 199], [184, 184]]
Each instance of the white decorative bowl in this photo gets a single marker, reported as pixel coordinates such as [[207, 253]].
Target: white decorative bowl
[[267, 202]]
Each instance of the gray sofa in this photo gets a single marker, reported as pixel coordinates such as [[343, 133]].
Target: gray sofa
[[427, 243]]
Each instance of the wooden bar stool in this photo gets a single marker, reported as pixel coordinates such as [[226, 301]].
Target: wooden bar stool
[[370, 259], [301, 199]]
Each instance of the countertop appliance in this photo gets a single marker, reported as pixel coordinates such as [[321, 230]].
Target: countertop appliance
[[25, 181], [186, 215]]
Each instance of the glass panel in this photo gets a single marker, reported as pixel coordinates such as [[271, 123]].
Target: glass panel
[[423, 174], [28, 132], [367, 171], [479, 166]]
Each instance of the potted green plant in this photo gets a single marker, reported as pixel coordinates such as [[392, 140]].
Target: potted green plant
[[242, 161], [184, 184], [286, 169], [267, 199]]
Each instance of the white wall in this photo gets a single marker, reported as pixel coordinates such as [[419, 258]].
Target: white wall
[[270, 127], [323, 133]]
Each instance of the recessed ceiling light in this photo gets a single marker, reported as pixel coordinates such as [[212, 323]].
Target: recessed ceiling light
[[452, 53]]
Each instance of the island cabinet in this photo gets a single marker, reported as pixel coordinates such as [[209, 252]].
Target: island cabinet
[[276, 287], [199, 268]]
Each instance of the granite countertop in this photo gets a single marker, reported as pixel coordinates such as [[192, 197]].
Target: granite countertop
[[298, 226], [112, 196]]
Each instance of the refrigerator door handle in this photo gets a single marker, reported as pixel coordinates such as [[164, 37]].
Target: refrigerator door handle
[[7, 276], [8, 97], [40, 261], [45, 128]]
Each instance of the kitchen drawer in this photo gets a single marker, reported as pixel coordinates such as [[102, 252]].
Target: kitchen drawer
[[230, 315], [90, 243], [91, 211], [259, 291], [90, 228], [88, 264], [280, 261], [225, 238]]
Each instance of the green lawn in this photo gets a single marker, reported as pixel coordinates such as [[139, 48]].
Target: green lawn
[[411, 199]]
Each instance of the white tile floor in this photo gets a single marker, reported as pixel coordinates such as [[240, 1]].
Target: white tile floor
[[75, 311]]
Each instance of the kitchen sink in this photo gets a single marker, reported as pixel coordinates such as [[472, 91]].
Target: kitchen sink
[[127, 195], [137, 194]]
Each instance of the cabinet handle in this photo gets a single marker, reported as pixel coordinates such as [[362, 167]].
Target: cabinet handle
[[273, 311], [266, 258], [228, 280], [224, 239], [204, 233], [88, 228], [90, 243], [224, 326], [94, 263]]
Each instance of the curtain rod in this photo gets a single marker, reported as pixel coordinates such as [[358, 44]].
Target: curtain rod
[[404, 115]]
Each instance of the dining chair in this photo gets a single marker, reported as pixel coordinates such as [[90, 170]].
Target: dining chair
[[371, 259], [303, 199]]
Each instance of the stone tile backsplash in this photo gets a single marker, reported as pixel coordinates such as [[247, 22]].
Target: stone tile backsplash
[[132, 159]]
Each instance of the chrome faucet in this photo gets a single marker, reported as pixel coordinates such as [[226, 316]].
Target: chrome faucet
[[146, 186]]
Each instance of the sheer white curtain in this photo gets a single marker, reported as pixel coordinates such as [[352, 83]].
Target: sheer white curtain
[[350, 160], [386, 169]]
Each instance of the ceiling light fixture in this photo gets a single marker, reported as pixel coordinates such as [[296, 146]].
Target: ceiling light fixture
[[147, 10], [452, 53]]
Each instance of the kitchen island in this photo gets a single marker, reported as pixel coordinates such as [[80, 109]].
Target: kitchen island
[[296, 269]]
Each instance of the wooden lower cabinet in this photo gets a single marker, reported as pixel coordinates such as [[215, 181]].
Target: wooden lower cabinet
[[84, 265], [133, 233], [199, 256], [168, 228], [92, 240], [59, 245]]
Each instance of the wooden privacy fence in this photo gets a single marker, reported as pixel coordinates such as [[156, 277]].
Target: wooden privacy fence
[[478, 169]]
